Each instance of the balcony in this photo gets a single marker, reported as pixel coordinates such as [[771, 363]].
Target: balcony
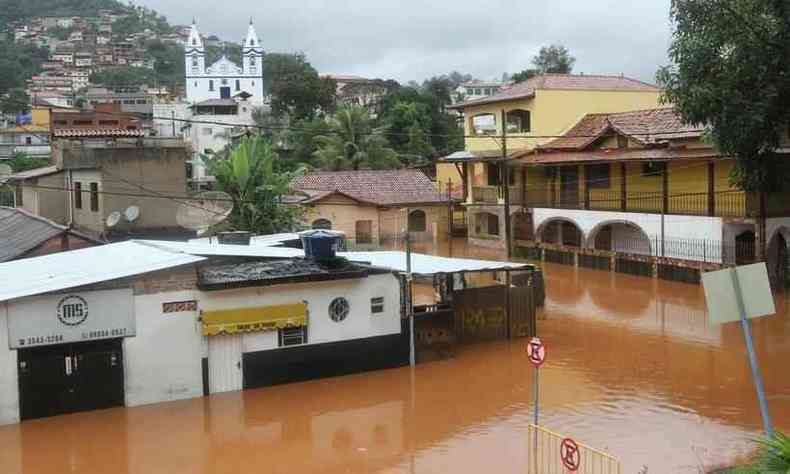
[[485, 194], [720, 204]]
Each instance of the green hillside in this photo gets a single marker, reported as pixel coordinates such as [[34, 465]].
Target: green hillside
[[14, 10]]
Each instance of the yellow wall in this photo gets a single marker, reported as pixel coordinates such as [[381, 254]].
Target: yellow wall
[[447, 172], [554, 112]]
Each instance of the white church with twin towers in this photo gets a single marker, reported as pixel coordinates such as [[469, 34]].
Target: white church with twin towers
[[224, 79]]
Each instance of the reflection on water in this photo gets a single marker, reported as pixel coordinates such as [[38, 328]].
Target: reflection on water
[[634, 368]]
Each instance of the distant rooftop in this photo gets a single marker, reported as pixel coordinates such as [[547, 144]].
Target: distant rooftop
[[377, 187], [526, 89]]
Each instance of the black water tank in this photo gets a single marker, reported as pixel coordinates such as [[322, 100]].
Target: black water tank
[[320, 243]]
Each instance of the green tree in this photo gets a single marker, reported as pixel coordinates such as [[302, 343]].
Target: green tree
[[729, 72], [550, 59], [301, 143], [352, 143], [296, 89], [409, 124], [257, 189], [23, 162], [18, 62], [124, 76], [15, 101]]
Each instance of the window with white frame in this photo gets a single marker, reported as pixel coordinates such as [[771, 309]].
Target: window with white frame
[[292, 336], [377, 305]]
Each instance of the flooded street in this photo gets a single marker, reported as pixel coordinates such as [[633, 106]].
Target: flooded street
[[633, 369]]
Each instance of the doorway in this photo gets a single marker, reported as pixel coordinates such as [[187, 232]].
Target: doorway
[[569, 186], [224, 92], [68, 378], [225, 372]]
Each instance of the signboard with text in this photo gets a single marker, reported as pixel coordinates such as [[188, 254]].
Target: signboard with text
[[70, 317]]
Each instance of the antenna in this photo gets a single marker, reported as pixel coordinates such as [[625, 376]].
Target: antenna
[[131, 214], [204, 210], [113, 219]]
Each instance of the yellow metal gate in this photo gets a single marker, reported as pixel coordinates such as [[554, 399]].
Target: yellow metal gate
[[544, 448]]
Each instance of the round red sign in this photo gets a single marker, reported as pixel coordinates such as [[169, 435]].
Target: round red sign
[[569, 453], [536, 352]]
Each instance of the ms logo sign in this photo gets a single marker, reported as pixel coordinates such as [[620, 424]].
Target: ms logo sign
[[72, 310]]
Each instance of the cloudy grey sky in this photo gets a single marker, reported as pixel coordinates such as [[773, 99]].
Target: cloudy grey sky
[[411, 39]]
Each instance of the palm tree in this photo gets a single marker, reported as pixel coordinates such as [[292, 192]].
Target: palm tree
[[249, 177], [353, 143]]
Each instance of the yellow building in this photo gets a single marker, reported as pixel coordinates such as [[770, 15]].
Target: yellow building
[[534, 112], [373, 206], [636, 191]]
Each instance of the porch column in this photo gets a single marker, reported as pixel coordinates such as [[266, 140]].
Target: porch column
[[524, 187], [665, 189], [586, 188], [711, 188], [469, 172], [552, 190], [623, 188]]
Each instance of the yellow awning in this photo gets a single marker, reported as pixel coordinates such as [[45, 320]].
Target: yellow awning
[[261, 318]]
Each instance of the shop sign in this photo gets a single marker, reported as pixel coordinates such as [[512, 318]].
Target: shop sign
[[70, 317]]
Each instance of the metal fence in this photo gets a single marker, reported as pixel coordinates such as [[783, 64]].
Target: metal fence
[[6, 197], [545, 455]]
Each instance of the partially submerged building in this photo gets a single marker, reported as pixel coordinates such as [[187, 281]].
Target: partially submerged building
[[141, 322]]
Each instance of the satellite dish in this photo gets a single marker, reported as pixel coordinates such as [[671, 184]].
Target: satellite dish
[[132, 213], [113, 219], [5, 173], [204, 210]]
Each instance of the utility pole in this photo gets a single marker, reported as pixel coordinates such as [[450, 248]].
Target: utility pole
[[450, 210], [173, 121], [505, 177], [409, 302]]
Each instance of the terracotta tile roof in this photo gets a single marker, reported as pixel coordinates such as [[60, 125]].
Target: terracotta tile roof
[[378, 187], [616, 154], [649, 127], [527, 88], [96, 133]]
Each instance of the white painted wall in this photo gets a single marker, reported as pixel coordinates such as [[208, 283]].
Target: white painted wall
[[675, 226], [360, 323], [9, 385], [163, 362]]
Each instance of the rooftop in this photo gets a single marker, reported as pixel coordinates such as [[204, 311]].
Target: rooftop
[[526, 89], [376, 187], [35, 173], [648, 127], [260, 273], [96, 133], [21, 232]]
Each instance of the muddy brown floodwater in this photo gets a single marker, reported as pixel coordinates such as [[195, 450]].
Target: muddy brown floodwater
[[633, 368]]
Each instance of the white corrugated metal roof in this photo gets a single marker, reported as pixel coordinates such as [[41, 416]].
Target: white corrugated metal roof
[[60, 271], [422, 264], [217, 250], [271, 240]]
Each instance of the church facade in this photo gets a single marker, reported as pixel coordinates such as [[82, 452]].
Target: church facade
[[224, 79]]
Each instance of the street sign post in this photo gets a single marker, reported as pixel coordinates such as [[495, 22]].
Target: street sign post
[[740, 294], [569, 454], [536, 352]]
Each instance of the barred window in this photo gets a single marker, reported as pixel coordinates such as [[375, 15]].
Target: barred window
[[292, 336], [377, 305]]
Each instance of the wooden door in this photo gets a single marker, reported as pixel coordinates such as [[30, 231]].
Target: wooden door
[[224, 363]]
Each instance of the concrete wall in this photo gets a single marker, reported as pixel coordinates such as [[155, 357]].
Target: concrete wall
[[9, 384], [163, 361], [84, 217], [48, 203], [360, 323], [675, 226]]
